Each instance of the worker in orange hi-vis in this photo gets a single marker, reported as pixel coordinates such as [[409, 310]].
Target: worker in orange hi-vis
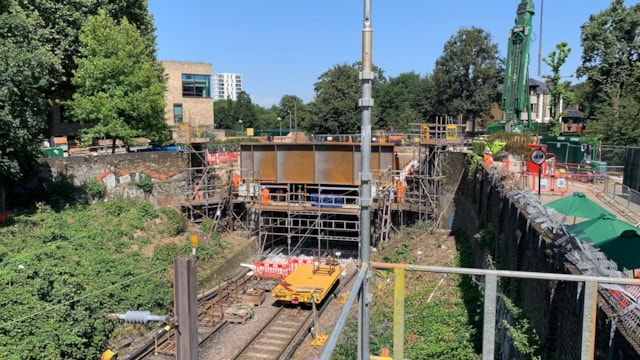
[[265, 196], [400, 189], [488, 158], [236, 181]]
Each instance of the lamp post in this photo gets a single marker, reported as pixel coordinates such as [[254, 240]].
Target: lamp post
[[280, 122], [241, 127], [289, 121]]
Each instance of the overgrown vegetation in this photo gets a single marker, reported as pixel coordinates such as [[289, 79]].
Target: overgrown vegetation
[[438, 324], [63, 271], [95, 189], [145, 182], [176, 223]]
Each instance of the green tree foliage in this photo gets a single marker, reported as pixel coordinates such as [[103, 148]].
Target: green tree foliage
[[224, 114], [62, 272], [245, 111], [426, 98], [119, 83], [558, 89], [610, 63], [397, 102], [335, 109], [292, 108], [467, 74], [58, 30], [227, 113], [25, 67]]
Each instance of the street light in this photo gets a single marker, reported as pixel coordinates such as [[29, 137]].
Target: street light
[[280, 122], [289, 121], [241, 127]]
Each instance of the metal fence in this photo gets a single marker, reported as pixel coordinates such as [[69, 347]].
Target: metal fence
[[600, 278], [622, 195]]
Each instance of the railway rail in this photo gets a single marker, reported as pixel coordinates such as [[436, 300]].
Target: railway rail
[[283, 332], [276, 336]]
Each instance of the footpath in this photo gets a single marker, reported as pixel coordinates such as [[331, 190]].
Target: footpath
[[599, 192], [621, 208]]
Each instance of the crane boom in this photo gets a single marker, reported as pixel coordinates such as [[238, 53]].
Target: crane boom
[[515, 92], [515, 96]]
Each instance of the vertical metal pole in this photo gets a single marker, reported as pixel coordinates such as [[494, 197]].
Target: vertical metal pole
[[366, 105], [612, 338], [185, 295], [398, 316], [489, 328], [589, 320], [539, 179]]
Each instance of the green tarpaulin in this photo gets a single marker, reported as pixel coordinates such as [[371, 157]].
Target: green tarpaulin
[[601, 229], [624, 249], [578, 205], [619, 240]]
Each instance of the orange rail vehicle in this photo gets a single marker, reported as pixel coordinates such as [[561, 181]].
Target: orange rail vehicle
[[308, 283]]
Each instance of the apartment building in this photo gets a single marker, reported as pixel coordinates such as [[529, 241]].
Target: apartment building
[[226, 86], [189, 102]]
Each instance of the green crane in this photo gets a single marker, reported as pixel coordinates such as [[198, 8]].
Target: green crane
[[515, 93]]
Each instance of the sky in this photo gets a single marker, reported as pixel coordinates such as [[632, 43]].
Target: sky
[[281, 47]]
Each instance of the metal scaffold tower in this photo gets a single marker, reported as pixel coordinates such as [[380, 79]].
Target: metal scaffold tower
[[206, 191], [301, 216]]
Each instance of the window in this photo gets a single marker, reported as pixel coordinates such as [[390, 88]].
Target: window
[[177, 113], [195, 85]]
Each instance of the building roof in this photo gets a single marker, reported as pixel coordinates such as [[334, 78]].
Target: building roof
[[572, 113]]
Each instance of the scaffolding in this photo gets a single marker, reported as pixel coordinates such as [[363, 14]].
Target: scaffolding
[[207, 189], [300, 216]]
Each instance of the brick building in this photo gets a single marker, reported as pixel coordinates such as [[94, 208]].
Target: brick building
[[189, 100]]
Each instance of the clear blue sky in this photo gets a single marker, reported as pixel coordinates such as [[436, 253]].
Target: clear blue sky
[[281, 47]]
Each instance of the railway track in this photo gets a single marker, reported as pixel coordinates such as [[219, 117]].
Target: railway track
[[283, 332], [210, 315], [276, 336]]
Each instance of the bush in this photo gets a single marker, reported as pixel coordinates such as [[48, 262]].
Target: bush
[[145, 183], [95, 189], [176, 223], [59, 193]]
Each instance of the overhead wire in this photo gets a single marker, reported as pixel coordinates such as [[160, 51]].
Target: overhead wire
[[81, 297]]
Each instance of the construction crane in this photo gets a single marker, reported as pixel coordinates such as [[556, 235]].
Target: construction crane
[[515, 93]]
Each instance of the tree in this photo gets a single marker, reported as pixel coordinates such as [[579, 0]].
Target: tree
[[559, 90], [245, 111], [426, 102], [467, 74], [610, 63], [58, 30], [335, 110], [292, 107], [25, 67], [223, 113], [397, 102], [119, 83]]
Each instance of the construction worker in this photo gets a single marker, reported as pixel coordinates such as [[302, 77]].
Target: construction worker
[[400, 190], [265, 196], [488, 158]]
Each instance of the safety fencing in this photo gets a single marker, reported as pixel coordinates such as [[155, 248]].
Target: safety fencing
[[621, 195], [269, 270]]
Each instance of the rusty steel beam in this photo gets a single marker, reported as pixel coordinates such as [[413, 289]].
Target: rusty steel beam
[[311, 163]]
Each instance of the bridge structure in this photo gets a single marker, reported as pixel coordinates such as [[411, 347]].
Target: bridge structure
[[307, 191]]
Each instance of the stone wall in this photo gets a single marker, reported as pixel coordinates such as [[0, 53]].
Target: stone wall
[[502, 231], [118, 172]]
